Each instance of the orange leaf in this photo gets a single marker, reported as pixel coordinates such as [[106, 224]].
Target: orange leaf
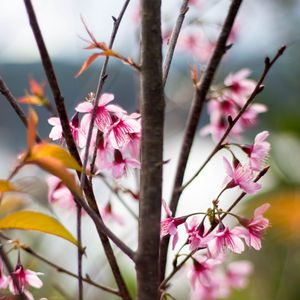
[[87, 63], [31, 130], [56, 168], [44, 150], [38, 89]]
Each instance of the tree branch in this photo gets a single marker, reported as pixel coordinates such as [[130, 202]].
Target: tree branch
[[173, 39], [194, 115], [62, 270], [152, 110]]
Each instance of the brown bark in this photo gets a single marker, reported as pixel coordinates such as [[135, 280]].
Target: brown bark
[[152, 109]]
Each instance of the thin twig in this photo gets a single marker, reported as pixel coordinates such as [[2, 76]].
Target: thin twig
[[256, 91], [62, 270], [4, 90], [100, 85], [173, 39], [59, 101], [123, 202], [79, 252], [197, 105]]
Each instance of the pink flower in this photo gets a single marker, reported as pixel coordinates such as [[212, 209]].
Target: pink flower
[[56, 132], [223, 239], [195, 234], [202, 271], [120, 165], [238, 84], [3, 278], [120, 133], [258, 151], [59, 194], [109, 215], [170, 224], [25, 278], [254, 228], [219, 110], [237, 274], [196, 44], [241, 176], [249, 117], [103, 117]]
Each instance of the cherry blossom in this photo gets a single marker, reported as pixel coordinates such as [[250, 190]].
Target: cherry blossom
[[170, 224], [56, 132], [25, 278], [103, 117], [258, 151], [59, 194], [120, 164], [241, 176], [119, 134], [239, 85], [223, 239], [237, 273], [254, 228]]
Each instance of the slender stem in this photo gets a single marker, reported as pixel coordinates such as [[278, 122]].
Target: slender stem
[[4, 90], [59, 101], [173, 39], [100, 85], [256, 91], [197, 105], [152, 110], [79, 252], [62, 270], [123, 202]]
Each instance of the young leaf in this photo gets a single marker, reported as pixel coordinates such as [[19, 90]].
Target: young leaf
[[58, 169], [31, 131], [34, 100], [45, 150], [87, 63], [30, 220]]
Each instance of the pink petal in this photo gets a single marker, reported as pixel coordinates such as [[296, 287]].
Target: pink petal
[[84, 107]]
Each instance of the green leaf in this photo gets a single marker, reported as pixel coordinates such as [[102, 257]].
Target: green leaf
[[30, 220]]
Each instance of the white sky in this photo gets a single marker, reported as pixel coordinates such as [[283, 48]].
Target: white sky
[[61, 26]]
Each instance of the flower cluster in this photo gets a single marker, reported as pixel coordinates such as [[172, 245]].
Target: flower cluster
[[23, 277], [116, 134], [226, 102], [115, 141], [211, 276]]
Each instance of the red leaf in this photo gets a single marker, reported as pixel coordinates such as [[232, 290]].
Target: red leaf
[[87, 63]]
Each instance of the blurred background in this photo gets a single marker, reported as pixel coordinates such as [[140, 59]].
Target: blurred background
[[262, 27]]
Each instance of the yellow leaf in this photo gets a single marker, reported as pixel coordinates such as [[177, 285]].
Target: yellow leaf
[[31, 130], [34, 100], [7, 186], [56, 168], [30, 220], [45, 150]]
